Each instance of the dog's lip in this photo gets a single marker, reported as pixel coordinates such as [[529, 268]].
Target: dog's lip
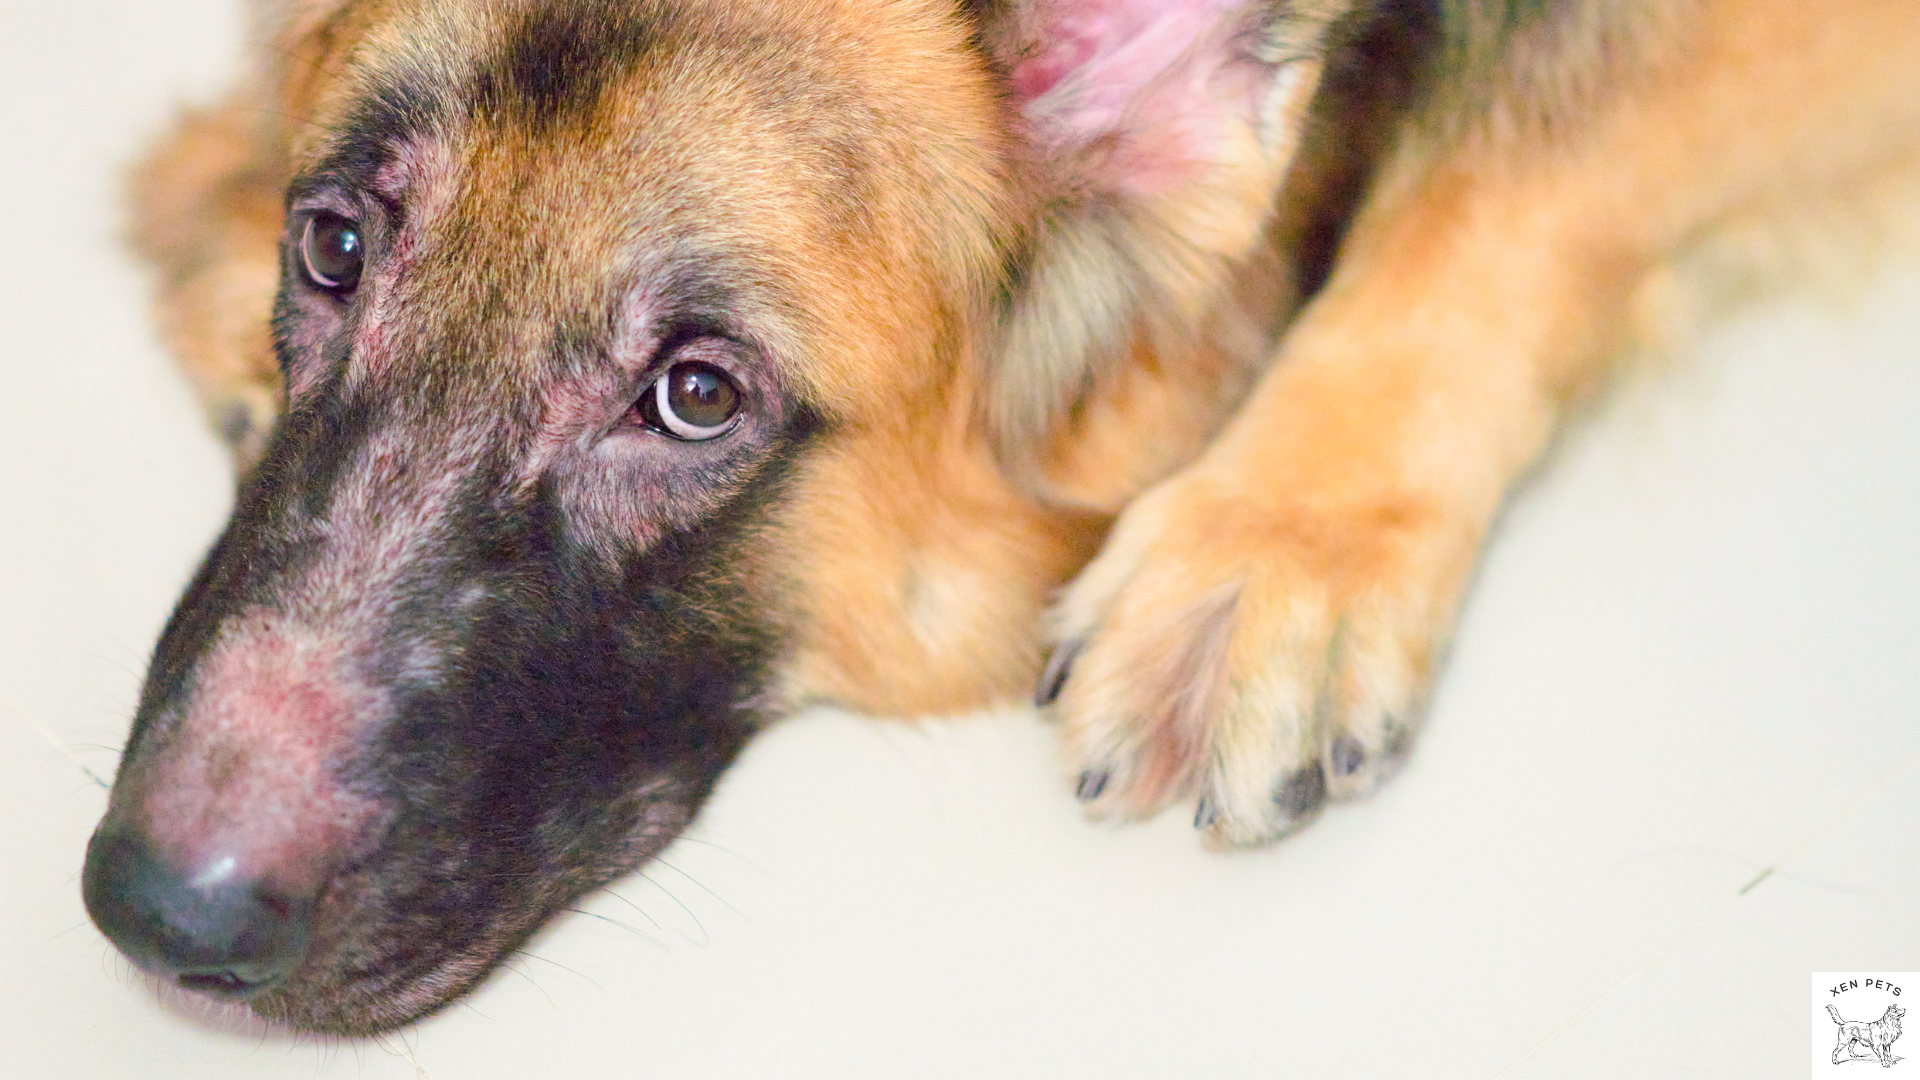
[[323, 996], [336, 991]]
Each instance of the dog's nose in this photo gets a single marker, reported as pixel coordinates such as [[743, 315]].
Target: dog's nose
[[214, 927]]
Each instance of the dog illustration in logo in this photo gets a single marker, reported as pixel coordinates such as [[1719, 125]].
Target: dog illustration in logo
[[1860, 1040]]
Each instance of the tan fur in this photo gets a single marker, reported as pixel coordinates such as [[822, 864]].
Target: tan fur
[[1486, 284], [1296, 514], [207, 214]]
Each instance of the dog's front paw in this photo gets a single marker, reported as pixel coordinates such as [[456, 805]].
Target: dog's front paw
[[1257, 650]]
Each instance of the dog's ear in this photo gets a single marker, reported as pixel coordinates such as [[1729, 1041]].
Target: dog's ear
[[1158, 133]]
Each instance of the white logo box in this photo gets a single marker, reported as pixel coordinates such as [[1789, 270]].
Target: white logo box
[[1877, 1007]]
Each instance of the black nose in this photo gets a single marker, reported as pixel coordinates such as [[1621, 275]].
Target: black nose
[[212, 928]]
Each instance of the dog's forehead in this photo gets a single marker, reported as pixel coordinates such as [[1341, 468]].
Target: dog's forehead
[[547, 160], [578, 101], [543, 160]]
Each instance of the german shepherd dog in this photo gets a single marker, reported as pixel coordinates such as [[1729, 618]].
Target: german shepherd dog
[[611, 377]]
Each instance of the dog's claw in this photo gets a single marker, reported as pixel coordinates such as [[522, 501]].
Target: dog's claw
[[1302, 794], [236, 423], [1346, 755], [1054, 678], [1205, 813], [1092, 783]]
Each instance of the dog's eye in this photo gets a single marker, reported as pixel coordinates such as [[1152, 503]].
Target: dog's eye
[[331, 252], [692, 401]]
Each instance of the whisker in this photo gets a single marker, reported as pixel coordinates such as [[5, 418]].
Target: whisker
[[284, 115], [563, 967], [55, 743], [705, 939], [636, 931], [700, 885], [636, 907], [401, 1050], [311, 63], [535, 983]]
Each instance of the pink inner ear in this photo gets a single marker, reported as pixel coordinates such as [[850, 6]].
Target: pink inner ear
[[1098, 59]]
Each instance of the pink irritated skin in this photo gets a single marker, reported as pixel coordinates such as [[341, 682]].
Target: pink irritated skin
[[590, 399], [418, 170], [304, 379], [578, 410], [1123, 68], [625, 486], [420, 175], [250, 777]]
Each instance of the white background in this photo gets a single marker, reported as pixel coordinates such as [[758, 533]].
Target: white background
[[1693, 654]]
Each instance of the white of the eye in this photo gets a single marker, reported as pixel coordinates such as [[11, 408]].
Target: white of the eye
[[680, 428], [306, 259]]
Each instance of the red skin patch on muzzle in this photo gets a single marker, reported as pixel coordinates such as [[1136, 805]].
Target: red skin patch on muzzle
[[246, 784]]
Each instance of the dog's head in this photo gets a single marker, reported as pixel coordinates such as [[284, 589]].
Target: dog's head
[[643, 362]]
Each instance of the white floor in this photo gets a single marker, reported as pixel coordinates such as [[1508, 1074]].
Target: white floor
[[1693, 657]]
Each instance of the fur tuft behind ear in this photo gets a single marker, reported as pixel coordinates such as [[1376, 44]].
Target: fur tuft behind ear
[[1158, 134]]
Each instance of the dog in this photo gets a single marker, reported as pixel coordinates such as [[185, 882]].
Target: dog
[[1859, 1039], [608, 378]]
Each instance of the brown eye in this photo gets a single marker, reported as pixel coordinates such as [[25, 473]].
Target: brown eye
[[692, 401], [331, 252]]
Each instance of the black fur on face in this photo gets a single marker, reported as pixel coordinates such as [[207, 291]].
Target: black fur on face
[[519, 632], [546, 717]]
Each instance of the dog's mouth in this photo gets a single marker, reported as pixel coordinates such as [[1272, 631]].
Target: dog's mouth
[[388, 948], [386, 935]]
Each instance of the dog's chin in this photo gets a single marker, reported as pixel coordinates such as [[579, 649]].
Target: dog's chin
[[350, 986], [319, 1005], [297, 1012], [325, 1007], [211, 1013], [374, 969]]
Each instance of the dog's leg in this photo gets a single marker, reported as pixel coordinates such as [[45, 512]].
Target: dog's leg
[[206, 214], [1259, 629]]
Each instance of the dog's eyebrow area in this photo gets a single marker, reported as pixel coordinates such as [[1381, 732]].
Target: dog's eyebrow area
[[367, 150], [538, 67], [554, 63], [531, 69], [525, 168]]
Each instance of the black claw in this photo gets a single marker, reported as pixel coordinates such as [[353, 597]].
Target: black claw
[[1399, 742], [1346, 755], [1205, 813], [1303, 792], [236, 423], [1092, 783], [1054, 678]]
